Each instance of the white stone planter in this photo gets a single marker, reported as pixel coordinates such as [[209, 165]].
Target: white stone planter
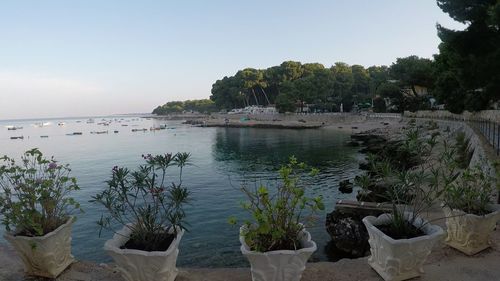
[[285, 265], [137, 265], [47, 255], [470, 233], [401, 259]]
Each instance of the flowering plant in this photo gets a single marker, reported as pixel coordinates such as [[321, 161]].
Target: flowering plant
[[34, 198], [143, 201]]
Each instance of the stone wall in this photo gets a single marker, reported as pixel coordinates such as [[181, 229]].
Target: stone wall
[[492, 115], [320, 117], [479, 157], [324, 117]]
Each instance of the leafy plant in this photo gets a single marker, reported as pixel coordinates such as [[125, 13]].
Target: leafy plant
[[409, 190], [144, 201], [278, 216], [470, 192], [464, 151], [35, 193]]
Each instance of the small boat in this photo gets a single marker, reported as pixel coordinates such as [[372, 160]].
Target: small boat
[[61, 124], [17, 138], [139, 130], [99, 132], [116, 132], [44, 137], [13, 128], [90, 121], [75, 134], [42, 124], [124, 125]]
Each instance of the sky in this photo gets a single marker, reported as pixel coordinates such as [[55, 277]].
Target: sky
[[94, 57]]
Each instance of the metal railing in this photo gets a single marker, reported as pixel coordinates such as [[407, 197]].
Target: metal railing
[[490, 131]]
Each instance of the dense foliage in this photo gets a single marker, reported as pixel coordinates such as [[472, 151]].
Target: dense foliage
[[34, 198], [144, 201], [278, 216], [468, 64], [292, 85], [176, 107]]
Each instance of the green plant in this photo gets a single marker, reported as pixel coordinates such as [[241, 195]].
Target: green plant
[[277, 217], [464, 151], [470, 192], [143, 201], [409, 190], [35, 193]]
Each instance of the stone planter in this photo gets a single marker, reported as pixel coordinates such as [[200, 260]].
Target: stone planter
[[401, 259], [470, 233], [137, 265], [47, 255], [284, 265]]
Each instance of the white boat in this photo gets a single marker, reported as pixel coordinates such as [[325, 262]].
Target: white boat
[[42, 124]]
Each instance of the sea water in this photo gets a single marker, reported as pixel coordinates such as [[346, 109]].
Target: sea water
[[223, 160]]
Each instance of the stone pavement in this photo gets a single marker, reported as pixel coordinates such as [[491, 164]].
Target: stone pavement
[[444, 264]]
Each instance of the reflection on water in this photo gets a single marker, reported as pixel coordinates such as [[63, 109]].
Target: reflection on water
[[224, 158]]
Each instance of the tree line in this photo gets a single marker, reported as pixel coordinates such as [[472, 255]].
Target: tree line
[[292, 85], [176, 107]]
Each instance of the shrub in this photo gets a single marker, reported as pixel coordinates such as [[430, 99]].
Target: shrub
[[143, 201], [35, 193], [463, 149], [470, 192], [277, 217]]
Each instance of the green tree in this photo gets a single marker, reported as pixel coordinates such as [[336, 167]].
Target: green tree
[[342, 85], [412, 71], [379, 104], [394, 94], [468, 65]]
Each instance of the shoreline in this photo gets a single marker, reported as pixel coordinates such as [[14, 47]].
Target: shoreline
[[343, 121]]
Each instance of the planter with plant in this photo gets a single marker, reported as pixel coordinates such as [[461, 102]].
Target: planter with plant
[[151, 214], [467, 194], [401, 240], [276, 243], [37, 211], [470, 214]]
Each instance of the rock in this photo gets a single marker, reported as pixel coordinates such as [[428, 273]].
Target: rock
[[345, 186], [353, 143], [364, 166], [348, 234]]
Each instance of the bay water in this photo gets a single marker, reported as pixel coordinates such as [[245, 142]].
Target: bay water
[[223, 160]]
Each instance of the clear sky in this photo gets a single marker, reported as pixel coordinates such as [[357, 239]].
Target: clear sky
[[89, 57]]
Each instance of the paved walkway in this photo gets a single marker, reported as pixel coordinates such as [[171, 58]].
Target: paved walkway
[[444, 264]]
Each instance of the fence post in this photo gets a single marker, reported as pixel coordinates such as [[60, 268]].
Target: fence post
[[498, 140]]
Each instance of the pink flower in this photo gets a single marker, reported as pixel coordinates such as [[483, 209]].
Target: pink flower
[[52, 165]]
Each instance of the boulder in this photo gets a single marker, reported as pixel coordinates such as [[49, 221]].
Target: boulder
[[345, 186], [348, 235]]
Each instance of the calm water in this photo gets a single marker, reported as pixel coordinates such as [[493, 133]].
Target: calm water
[[223, 158]]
